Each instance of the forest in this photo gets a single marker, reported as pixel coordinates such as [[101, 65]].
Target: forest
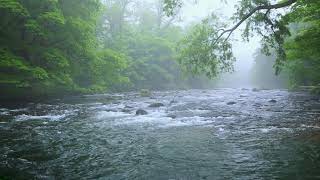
[[159, 89], [60, 47]]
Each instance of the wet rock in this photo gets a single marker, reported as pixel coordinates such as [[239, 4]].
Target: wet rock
[[244, 89], [145, 93], [257, 104], [255, 90], [272, 101], [128, 107], [173, 116], [203, 108], [111, 110], [155, 105], [141, 112], [126, 110], [173, 101], [243, 96], [231, 103]]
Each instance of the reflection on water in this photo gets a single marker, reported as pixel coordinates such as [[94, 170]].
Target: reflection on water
[[213, 134]]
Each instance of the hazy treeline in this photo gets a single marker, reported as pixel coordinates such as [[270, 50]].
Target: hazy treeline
[[296, 55], [263, 73], [51, 47], [80, 46], [289, 31], [302, 64]]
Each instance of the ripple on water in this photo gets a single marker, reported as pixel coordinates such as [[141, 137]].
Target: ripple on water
[[272, 129], [197, 137]]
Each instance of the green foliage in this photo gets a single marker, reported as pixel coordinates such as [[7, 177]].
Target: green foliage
[[50, 47], [302, 47], [152, 65], [293, 35], [148, 40], [200, 52], [170, 6], [14, 8]]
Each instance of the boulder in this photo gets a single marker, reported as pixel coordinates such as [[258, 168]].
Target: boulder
[[255, 90], [141, 112], [128, 107], [173, 116], [257, 104], [145, 93], [155, 105], [272, 101], [126, 110], [231, 103], [173, 101]]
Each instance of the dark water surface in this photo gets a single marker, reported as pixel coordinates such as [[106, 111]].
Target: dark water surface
[[196, 135]]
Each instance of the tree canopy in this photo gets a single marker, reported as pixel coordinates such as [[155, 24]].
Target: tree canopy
[[272, 21], [52, 47]]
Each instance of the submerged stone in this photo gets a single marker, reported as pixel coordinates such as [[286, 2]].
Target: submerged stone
[[145, 93], [173, 116], [255, 90], [155, 105], [141, 112], [272, 101], [128, 107], [231, 103], [126, 110], [173, 101]]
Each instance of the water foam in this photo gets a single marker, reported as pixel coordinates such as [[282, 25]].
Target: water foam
[[25, 117], [108, 114]]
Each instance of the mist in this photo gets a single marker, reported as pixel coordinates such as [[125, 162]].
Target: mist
[[159, 89], [243, 50]]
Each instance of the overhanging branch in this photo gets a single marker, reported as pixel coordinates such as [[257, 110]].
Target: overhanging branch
[[258, 8]]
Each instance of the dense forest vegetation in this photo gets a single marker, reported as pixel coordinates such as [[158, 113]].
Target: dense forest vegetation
[[51, 47], [80, 46]]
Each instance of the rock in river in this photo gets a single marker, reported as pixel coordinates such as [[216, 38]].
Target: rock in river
[[155, 105], [273, 101], [173, 116], [255, 90], [231, 103], [141, 112], [126, 110], [173, 102], [145, 93]]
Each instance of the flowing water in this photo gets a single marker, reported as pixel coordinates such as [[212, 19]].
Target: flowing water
[[212, 134]]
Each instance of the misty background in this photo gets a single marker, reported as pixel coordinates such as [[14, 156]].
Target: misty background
[[244, 51]]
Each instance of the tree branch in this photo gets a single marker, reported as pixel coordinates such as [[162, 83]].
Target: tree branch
[[258, 8]]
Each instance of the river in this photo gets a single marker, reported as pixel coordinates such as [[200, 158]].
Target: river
[[197, 134]]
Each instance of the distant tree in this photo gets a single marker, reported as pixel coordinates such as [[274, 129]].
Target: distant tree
[[265, 18]]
